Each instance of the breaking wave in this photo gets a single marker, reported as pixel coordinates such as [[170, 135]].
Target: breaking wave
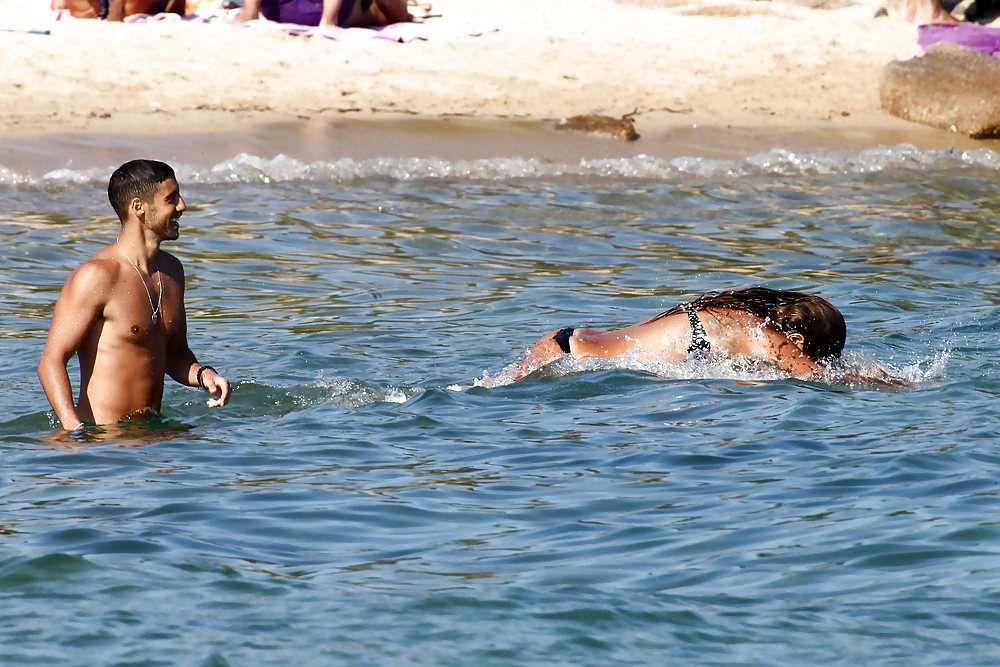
[[244, 168]]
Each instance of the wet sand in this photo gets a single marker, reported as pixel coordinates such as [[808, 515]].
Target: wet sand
[[35, 154]]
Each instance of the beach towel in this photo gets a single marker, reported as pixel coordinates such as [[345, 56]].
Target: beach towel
[[970, 35], [436, 29]]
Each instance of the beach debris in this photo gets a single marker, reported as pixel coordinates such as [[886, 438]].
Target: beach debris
[[420, 10], [674, 109], [30, 31], [950, 87], [622, 128]]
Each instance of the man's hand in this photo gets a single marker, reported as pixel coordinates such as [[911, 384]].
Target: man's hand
[[217, 386]]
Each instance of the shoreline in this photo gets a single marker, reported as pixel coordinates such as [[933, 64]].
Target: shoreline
[[392, 136]]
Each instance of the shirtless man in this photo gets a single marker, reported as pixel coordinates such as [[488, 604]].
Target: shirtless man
[[117, 10], [795, 332], [122, 312]]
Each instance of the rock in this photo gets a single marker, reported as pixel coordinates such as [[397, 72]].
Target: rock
[[615, 128], [950, 87]]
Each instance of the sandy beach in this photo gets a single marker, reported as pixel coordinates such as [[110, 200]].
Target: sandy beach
[[703, 75]]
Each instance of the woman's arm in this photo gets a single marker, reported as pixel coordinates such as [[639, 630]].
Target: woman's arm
[[540, 354], [582, 343], [590, 343]]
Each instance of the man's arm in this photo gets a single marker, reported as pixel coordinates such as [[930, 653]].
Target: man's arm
[[80, 304], [182, 365]]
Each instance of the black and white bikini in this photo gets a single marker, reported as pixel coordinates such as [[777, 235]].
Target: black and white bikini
[[699, 341]]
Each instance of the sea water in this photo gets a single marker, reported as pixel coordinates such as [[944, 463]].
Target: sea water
[[357, 503]]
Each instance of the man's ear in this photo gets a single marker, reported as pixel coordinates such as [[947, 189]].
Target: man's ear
[[137, 207], [796, 338]]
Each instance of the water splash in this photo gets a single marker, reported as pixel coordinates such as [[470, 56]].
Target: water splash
[[854, 370], [351, 393], [343, 392]]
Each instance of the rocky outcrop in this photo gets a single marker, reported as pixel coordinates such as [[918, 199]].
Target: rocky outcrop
[[950, 87]]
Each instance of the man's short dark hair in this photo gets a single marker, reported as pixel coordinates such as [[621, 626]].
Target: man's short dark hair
[[136, 178]]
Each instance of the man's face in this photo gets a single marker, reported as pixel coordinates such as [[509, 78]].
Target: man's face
[[163, 214]]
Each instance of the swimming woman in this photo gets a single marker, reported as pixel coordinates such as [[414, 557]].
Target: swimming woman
[[797, 333]]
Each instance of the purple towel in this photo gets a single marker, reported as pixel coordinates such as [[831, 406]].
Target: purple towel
[[969, 35]]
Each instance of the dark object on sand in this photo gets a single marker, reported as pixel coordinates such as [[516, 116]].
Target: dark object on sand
[[32, 31], [950, 87], [614, 128]]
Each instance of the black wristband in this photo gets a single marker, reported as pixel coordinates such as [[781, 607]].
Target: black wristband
[[201, 371]]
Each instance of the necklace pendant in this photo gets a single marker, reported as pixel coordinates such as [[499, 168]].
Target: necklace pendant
[[156, 318]]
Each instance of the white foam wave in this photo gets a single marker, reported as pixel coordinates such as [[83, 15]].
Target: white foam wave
[[244, 168], [854, 369], [910, 374], [709, 368], [356, 393]]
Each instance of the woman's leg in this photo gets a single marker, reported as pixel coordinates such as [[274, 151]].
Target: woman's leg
[[391, 11]]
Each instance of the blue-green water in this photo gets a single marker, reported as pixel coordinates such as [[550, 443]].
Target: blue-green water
[[351, 507]]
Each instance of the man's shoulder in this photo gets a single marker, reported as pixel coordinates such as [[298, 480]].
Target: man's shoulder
[[170, 264], [99, 269], [168, 259]]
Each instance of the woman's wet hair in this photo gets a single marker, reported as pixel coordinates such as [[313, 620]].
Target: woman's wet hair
[[136, 178], [821, 325]]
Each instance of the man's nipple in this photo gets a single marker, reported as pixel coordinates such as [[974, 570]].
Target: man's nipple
[[135, 328]]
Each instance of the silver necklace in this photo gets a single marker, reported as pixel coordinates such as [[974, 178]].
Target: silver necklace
[[159, 278]]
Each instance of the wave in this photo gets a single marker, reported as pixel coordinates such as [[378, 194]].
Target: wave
[[250, 399], [245, 168], [263, 399]]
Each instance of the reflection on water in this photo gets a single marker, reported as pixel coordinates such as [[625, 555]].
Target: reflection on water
[[595, 513]]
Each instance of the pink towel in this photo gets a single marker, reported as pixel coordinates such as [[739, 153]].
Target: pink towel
[[435, 29]]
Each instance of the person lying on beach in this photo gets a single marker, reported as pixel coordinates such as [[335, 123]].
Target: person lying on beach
[[342, 13], [122, 312], [921, 12], [117, 10], [799, 334]]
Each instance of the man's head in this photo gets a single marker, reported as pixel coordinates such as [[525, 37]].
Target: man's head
[[137, 179]]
